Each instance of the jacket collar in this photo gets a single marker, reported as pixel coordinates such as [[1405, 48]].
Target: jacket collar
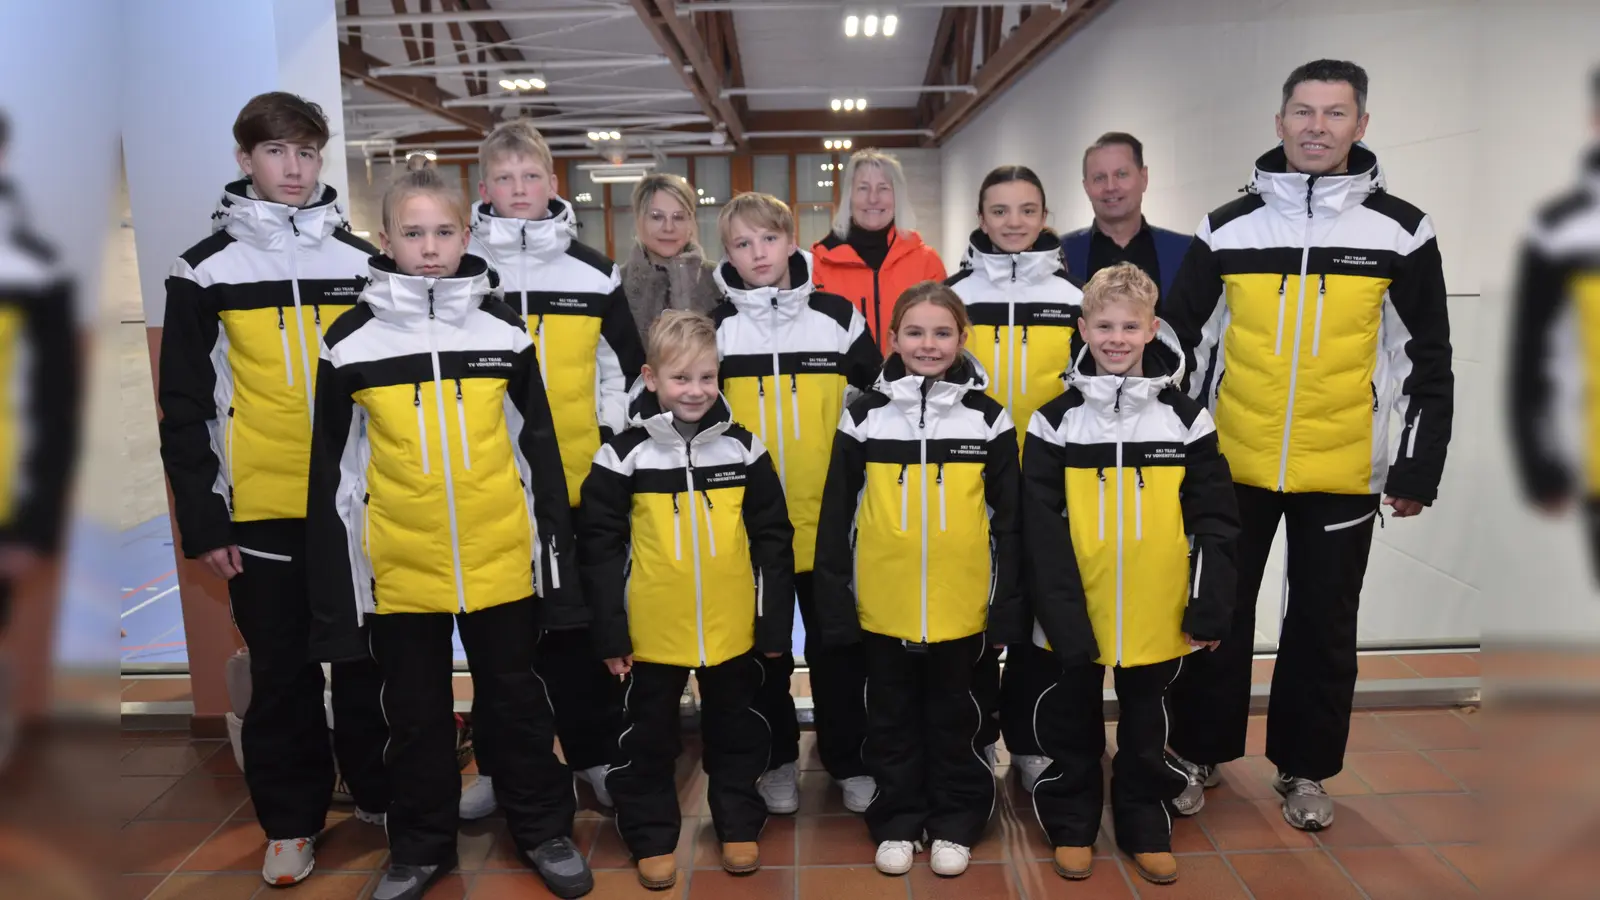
[[274, 226], [781, 306], [505, 237], [644, 411], [1162, 365], [407, 299], [1031, 266], [906, 392], [1290, 193], [837, 251]]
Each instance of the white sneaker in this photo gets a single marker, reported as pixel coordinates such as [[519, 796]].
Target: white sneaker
[[780, 789], [477, 799], [992, 757], [371, 818], [289, 862], [858, 792], [949, 858], [1029, 768], [894, 857], [595, 776]]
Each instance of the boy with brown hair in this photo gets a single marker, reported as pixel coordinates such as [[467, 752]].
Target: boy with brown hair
[[246, 309], [571, 298]]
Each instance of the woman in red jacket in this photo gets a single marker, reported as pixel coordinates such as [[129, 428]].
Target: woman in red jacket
[[873, 254]]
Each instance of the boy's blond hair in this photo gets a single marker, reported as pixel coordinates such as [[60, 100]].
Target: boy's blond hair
[[517, 137], [679, 334], [418, 182], [756, 211], [1121, 282]]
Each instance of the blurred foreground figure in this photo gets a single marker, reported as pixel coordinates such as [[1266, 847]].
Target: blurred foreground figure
[[38, 409], [1555, 365]]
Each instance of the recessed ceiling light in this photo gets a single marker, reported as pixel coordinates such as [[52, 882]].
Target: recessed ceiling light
[[508, 84], [849, 105], [891, 22], [852, 24], [523, 84], [836, 104], [861, 104], [594, 135], [539, 85], [870, 26]]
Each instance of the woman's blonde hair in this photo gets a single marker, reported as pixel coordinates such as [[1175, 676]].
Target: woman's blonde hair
[[905, 218], [935, 292], [677, 334], [415, 183], [675, 186]]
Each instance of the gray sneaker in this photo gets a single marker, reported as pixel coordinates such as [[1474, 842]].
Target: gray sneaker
[[562, 868], [402, 882], [1193, 798], [1306, 805]]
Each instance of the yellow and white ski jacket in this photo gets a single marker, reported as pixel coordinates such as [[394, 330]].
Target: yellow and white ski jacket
[[1024, 312], [246, 310], [436, 479], [571, 297], [686, 544], [790, 360], [1129, 516], [919, 534], [1553, 382], [1314, 307]]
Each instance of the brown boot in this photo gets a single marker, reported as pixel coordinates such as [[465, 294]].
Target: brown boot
[[741, 857], [1075, 863], [658, 872], [1157, 868]]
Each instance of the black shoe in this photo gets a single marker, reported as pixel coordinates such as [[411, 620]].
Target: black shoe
[[561, 866], [403, 882]]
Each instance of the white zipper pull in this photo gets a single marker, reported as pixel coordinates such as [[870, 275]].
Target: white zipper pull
[[1102, 521], [461, 420], [711, 531], [288, 362], [422, 425]]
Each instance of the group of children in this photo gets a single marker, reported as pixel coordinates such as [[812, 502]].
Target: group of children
[[768, 442]]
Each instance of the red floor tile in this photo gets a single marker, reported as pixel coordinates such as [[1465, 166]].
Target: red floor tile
[[1400, 772], [329, 886], [981, 881], [1255, 737], [1442, 818], [209, 887], [475, 841], [525, 885], [1470, 860], [168, 757], [236, 847], [1254, 825], [136, 887], [1403, 873], [855, 883], [352, 846], [135, 792], [199, 796], [819, 796], [1431, 731], [715, 884], [834, 841], [1244, 779], [1368, 734], [1443, 665], [159, 847], [1199, 878], [777, 844], [1367, 821], [1465, 766], [1189, 837], [1375, 668], [611, 853], [1309, 875], [1039, 881]]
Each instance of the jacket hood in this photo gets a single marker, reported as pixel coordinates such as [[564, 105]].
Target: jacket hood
[[410, 300], [1327, 195], [270, 226], [782, 304], [502, 238], [1034, 265], [644, 411], [907, 391], [837, 251], [1162, 364]]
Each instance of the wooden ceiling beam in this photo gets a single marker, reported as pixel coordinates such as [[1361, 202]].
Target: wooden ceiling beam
[[938, 63], [423, 93], [409, 34], [681, 45]]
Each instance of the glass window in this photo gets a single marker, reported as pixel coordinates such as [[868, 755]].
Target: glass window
[[622, 232], [814, 221], [675, 165], [710, 238], [772, 176], [713, 179], [592, 227], [814, 177], [583, 192]]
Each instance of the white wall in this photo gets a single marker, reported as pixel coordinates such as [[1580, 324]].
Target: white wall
[[1198, 81]]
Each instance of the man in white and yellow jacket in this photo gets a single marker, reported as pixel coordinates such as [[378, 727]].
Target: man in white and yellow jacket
[[1314, 309]]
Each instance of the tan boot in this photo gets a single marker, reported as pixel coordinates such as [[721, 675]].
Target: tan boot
[[1075, 863], [1157, 868], [658, 872], [742, 857]]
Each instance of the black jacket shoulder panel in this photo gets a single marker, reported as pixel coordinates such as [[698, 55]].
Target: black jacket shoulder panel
[[1409, 217], [1235, 209], [722, 312], [1057, 409], [834, 307], [346, 324], [343, 236], [741, 434], [627, 441], [502, 310], [206, 249], [1564, 207], [587, 254], [958, 277], [865, 404], [978, 401], [1186, 407]]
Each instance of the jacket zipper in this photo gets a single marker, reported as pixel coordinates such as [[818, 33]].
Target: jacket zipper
[[1294, 359], [877, 307], [677, 530], [1011, 334], [422, 426], [461, 421], [1117, 426], [1283, 288], [761, 404], [283, 338], [316, 315], [711, 526], [694, 538], [903, 498], [1316, 331], [533, 541], [996, 367], [922, 471], [939, 479], [229, 451], [444, 451], [794, 402], [1024, 359], [1138, 505], [1374, 396], [300, 326], [777, 405], [1100, 523]]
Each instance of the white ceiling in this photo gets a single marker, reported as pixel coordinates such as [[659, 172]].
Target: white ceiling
[[808, 48]]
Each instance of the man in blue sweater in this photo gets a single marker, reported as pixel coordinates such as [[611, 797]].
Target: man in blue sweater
[[1115, 179]]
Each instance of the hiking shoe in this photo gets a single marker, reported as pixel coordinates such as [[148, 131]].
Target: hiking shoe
[[1306, 805], [894, 857], [658, 872], [561, 866], [780, 789], [1200, 776], [1029, 768], [1156, 868], [595, 777], [477, 799], [858, 792], [403, 882], [289, 862], [1074, 863], [741, 857]]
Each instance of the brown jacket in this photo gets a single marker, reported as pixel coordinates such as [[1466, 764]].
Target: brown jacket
[[685, 282]]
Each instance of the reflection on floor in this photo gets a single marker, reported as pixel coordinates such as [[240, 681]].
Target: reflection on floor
[[1406, 827]]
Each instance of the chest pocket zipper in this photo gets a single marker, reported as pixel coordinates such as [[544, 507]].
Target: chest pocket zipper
[[1138, 505], [1024, 359], [461, 420], [996, 369], [1283, 288], [283, 338], [677, 530], [761, 405], [902, 498], [794, 403], [316, 317], [422, 425], [1316, 330], [939, 480], [711, 531], [1374, 396], [1101, 521], [228, 449]]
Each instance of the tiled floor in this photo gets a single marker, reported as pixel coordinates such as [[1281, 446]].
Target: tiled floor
[[1406, 829]]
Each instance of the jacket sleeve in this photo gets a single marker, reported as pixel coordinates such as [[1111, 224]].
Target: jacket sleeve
[[1052, 582], [1002, 490], [553, 556], [190, 417], [1417, 339], [53, 411], [766, 520], [605, 522], [1194, 309], [862, 358], [331, 573], [1542, 301], [934, 270], [619, 356], [1211, 519], [833, 567]]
